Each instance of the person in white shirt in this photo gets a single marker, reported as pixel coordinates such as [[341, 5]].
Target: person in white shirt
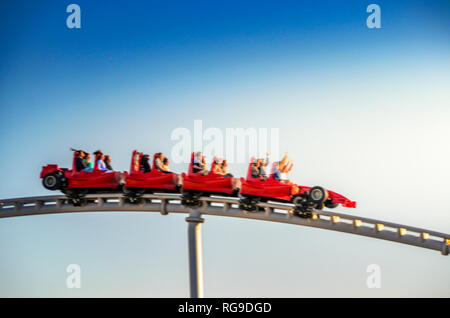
[[101, 164]]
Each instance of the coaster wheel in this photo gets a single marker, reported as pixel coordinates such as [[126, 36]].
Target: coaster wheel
[[249, 204], [191, 199], [52, 181], [318, 196]]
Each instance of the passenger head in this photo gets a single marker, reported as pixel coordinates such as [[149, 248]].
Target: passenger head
[[107, 158], [166, 161], [88, 157]]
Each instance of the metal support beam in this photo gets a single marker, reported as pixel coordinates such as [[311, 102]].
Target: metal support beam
[[195, 222]]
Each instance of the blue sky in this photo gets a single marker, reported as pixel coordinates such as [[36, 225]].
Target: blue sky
[[362, 111]]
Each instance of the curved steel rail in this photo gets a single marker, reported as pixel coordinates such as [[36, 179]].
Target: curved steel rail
[[273, 212]]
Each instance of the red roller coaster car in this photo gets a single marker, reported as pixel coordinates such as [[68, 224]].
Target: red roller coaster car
[[139, 182], [305, 198], [78, 183], [195, 184], [75, 184]]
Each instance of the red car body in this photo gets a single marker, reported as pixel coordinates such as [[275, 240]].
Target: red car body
[[154, 179], [77, 183], [74, 179], [210, 183], [275, 190]]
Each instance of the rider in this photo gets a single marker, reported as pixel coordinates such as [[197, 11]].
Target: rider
[[282, 169], [144, 164], [108, 162], [276, 173], [199, 164], [80, 164], [256, 168], [220, 168], [225, 173], [101, 163], [159, 163], [165, 165], [87, 161], [162, 164], [262, 167], [217, 166]]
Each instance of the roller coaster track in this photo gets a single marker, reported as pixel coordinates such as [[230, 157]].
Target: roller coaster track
[[219, 206]]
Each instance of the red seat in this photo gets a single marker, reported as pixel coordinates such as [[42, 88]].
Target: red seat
[[153, 180], [135, 167], [211, 183]]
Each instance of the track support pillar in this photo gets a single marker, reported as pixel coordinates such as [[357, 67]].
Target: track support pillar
[[195, 222]]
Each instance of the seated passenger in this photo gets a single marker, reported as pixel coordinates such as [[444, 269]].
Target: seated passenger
[[165, 165], [224, 167], [159, 163], [80, 164], [88, 163], [108, 162], [262, 167], [276, 172], [204, 164], [256, 169], [101, 163], [199, 164], [218, 166], [144, 164], [280, 171], [162, 164]]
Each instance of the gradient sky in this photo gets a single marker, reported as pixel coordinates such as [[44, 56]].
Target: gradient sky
[[364, 112]]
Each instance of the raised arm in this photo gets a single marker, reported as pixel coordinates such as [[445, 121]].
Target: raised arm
[[282, 164]]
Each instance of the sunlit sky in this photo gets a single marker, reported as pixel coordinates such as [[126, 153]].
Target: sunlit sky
[[364, 112]]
